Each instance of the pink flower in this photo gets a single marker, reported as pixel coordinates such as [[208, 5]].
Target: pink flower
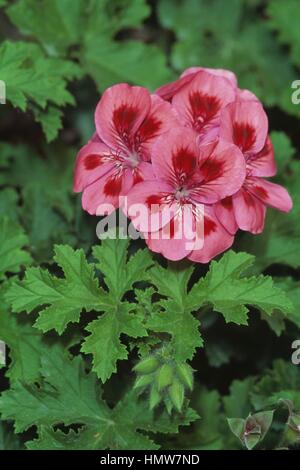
[[245, 124], [186, 176], [194, 156], [198, 98], [170, 89], [128, 119]]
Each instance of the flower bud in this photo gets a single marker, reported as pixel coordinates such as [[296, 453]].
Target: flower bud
[[155, 398], [176, 393], [253, 429], [185, 375], [164, 376], [147, 365], [143, 381]]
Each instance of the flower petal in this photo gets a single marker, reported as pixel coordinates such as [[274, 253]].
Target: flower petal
[[170, 89], [149, 205], [216, 239], [160, 119], [200, 102], [94, 160], [246, 95], [245, 123], [225, 214], [143, 172], [175, 240], [119, 114], [249, 212], [217, 72], [107, 190], [270, 194], [262, 163], [222, 172], [166, 92], [175, 156]]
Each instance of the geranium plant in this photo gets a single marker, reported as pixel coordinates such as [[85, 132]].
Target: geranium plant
[[178, 334]]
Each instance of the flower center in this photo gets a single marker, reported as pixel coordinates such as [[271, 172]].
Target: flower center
[[132, 159], [181, 193]]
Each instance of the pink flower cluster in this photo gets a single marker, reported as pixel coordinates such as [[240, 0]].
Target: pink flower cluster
[[198, 140]]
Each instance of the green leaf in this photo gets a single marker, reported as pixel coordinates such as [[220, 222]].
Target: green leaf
[[229, 291], [175, 316], [68, 395], [12, 242], [8, 203], [59, 24], [202, 39], [45, 200], [292, 288], [60, 301], [280, 382], [26, 346], [119, 272], [66, 298], [280, 242], [104, 341], [31, 76], [283, 150], [92, 26], [129, 61], [50, 175], [55, 23], [28, 74], [109, 61], [8, 440], [50, 120], [283, 18], [208, 405], [237, 404]]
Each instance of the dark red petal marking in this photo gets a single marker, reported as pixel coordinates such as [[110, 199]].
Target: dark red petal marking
[[265, 151], [113, 185], [227, 202], [153, 200], [149, 129], [209, 226], [212, 169], [172, 227], [137, 176], [92, 161], [261, 192], [248, 199], [184, 163], [243, 136], [124, 118], [203, 108]]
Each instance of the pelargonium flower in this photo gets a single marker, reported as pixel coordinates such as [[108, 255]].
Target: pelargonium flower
[[127, 120], [199, 96], [245, 124], [170, 89], [194, 155], [186, 176], [199, 99]]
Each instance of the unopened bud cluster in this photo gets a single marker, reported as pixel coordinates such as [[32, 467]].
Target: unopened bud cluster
[[166, 380]]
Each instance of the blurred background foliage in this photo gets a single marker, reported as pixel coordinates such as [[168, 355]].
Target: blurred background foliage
[[56, 57]]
